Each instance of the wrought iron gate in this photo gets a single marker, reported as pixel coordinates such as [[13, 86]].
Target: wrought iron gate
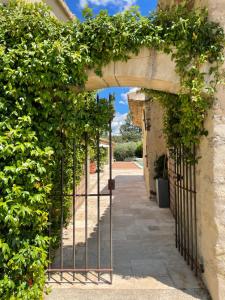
[[184, 206], [77, 255]]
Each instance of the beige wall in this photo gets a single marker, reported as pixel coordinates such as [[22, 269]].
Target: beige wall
[[58, 7], [150, 113], [147, 69], [154, 143], [211, 183], [211, 179]]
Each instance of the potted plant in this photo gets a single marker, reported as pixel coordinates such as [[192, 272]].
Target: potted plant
[[93, 167], [93, 164], [93, 159], [162, 184]]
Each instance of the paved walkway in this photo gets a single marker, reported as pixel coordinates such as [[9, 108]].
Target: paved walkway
[[125, 165], [146, 262]]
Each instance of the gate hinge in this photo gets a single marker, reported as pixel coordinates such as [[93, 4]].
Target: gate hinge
[[111, 184]]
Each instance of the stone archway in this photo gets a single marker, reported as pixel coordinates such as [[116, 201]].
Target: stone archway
[[149, 69], [155, 70]]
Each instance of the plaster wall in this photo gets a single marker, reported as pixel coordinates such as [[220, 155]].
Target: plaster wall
[[154, 143], [211, 177], [148, 115], [58, 7]]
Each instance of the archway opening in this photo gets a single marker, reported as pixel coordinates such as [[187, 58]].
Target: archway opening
[[142, 248]]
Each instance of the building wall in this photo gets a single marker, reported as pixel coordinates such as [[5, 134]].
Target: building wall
[[211, 182], [58, 7], [154, 143], [211, 178], [148, 115]]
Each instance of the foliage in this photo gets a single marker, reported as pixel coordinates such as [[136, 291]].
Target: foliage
[[125, 151], [139, 150], [41, 61], [101, 155], [117, 139], [161, 169], [40, 117], [191, 40], [129, 132]]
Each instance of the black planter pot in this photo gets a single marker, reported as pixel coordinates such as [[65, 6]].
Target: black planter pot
[[162, 192]]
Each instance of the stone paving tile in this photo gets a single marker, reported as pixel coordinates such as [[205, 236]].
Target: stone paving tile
[[146, 263], [149, 267], [68, 294]]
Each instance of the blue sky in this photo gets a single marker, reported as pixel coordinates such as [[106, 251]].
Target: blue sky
[[113, 6]]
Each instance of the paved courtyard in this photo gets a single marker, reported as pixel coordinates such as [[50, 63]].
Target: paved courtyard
[[146, 263]]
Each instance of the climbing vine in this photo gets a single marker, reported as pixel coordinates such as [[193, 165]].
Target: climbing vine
[[41, 62]]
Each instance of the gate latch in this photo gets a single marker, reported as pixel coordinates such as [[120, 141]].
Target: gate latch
[[111, 184]]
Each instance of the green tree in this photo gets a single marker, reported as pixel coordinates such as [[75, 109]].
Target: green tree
[[129, 131]]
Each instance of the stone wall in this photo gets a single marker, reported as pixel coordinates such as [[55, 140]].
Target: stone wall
[[148, 115], [211, 178], [155, 142], [211, 182], [147, 69]]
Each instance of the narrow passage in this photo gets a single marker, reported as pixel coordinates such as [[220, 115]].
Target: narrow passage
[[146, 263]]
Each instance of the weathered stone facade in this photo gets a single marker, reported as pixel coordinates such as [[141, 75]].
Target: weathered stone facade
[[148, 115], [211, 182], [148, 70]]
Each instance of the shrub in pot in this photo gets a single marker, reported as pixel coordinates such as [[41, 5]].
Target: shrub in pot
[[162, 184], [94, 159], [93, 167]]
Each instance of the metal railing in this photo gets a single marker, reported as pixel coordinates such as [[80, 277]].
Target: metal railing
[[184, 205], [59, 268]]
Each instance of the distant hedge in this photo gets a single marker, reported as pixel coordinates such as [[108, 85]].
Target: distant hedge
[[139, 150], [127, 151]]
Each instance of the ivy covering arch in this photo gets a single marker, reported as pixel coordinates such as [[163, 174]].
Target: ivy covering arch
[[40, 60]]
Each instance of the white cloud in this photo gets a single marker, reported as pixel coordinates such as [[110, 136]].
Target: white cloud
[[124, 98], [122, 4], [118, 120], [83, 3]]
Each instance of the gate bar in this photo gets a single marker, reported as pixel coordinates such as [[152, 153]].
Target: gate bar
[[110, 190], [188, 217], [179, 191], [89, 195], [175, 195], [195, 216], [74, 206], [191, 218], [186, 207], [86, 270], [86, 202], [62, 208], [184, 203], [50, 233], [98, 199]]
